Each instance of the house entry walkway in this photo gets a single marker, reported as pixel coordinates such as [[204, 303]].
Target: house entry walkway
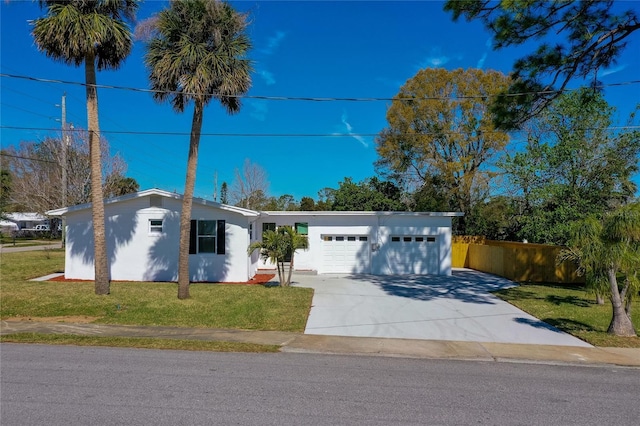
[[459, 307]]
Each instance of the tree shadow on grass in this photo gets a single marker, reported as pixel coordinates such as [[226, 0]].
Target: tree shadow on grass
[[570, 326], [569, 300]]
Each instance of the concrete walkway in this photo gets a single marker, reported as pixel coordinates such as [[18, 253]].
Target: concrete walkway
[[9, 248], [452, 308], [304, 343]]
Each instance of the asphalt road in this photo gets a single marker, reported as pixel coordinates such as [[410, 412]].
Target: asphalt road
[[65, 385]]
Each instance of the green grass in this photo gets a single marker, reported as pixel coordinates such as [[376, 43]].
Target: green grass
[[571, 309], [247, 307], [131, 342]]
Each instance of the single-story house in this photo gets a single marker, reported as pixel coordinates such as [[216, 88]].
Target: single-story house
[[20, 221], [142, 231]]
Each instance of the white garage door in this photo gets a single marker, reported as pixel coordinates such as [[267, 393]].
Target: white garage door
[[413, 254], [345, 254]]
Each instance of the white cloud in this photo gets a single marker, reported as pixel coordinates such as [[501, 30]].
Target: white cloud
[[273, 43], [483, 58], [350, 130], [259, 108], [267, 76], [437, 59]]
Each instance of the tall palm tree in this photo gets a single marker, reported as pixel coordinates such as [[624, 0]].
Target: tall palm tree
[[198, 53], [93, 33]]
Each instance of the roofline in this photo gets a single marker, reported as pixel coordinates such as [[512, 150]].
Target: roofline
[[154, 191], [360, 213]]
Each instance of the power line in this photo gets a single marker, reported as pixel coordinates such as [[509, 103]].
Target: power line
[[4, 154], [296, 135], [317, 99]]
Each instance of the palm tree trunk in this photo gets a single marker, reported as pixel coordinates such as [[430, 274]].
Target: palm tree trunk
[[621, 324], [290, 268], [187, 201], [101, 265]]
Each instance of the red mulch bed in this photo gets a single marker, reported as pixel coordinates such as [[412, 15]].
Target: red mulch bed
[[257, 279]]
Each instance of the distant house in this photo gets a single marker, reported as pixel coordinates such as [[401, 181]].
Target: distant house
[[143, 234], [22, 221]]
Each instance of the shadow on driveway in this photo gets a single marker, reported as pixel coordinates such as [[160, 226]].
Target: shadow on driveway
[[462, 285]]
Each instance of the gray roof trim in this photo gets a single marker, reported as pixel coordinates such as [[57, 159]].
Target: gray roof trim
[[360, 213], [244, 212]]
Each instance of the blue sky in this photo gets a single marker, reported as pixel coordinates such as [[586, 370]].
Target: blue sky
[[300, 49]]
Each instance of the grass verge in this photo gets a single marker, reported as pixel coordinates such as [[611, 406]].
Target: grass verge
[[248, 307], [571, 309], [134, 342]]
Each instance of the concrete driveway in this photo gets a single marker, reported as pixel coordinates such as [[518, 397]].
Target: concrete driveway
[[458, 308]]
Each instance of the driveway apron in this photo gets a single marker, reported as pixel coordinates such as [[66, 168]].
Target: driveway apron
[[459, 307]]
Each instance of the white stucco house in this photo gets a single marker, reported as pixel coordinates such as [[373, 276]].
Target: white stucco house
[[143, 233]]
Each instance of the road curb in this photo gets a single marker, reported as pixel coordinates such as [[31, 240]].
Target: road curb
[[344, 345]]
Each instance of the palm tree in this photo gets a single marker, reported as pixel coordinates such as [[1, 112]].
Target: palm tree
[[272, 248], [276, 246], [197, 53], [93, 33], [606, 249], [294, 241]]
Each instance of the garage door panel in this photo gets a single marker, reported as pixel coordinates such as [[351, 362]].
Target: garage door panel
[[345, 254], [412, 255]]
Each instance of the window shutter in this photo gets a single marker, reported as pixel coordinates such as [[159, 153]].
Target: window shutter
[[221, 237], [193, 237]]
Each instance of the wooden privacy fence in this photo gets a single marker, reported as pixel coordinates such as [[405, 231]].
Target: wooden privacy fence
[[522, 262]]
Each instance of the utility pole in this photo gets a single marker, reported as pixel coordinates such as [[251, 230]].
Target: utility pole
[[215, 186], [65, 142]]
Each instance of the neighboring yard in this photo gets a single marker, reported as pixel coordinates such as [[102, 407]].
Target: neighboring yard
[[254, 307], [572, 309]]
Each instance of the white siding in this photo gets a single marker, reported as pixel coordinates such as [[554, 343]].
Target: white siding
[[135, 254], [379, 257]]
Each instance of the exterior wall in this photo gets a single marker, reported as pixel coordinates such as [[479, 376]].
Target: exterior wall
[[135, 254], [378, 228]]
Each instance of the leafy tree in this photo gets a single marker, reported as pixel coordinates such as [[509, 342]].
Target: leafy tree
[[278, 245], [574, 165], [605, 250], [307, 204], [198, 53], [118, 185], [326, 198], [594, 37], [5, 192], [494, 219], [440, 131], [224, 193], [93, 33], [284, 202], [367, 195]]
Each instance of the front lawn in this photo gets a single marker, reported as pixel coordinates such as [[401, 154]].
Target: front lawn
[[572, 309], [250, 307]]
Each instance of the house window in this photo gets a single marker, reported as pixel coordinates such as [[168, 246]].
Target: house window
[[155, 226], [419, 239], [362, 238], [351, 238], [406, 239], [431, 239], [268, 227], [207, 236], [302, 228], [395, 239]]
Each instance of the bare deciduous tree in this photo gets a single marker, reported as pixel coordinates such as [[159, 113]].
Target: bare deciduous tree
[[250, 186], [36, 172]]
